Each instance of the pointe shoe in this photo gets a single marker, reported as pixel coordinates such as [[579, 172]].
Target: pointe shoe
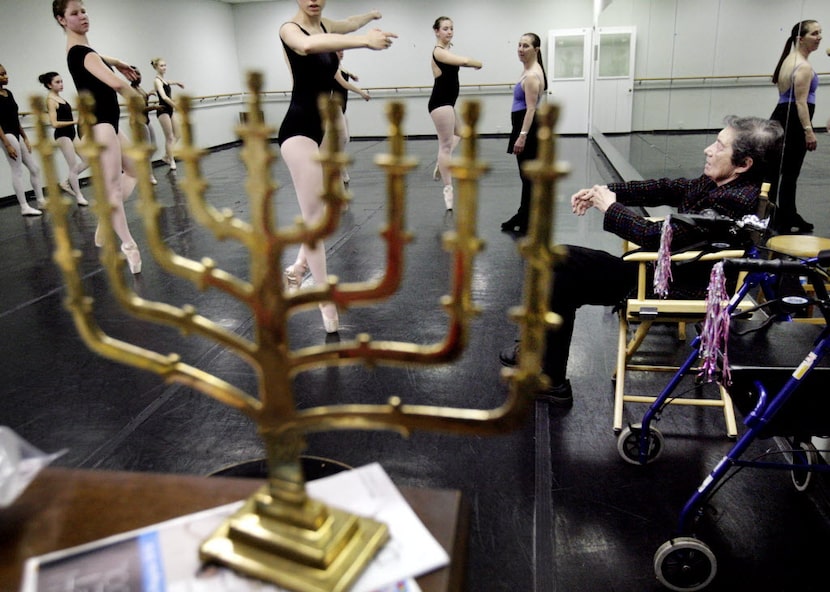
[[153, 181], [346, 178], [293, 276], [64, 185], [448, 196], [332, 325], [81, 200], [436, 174], [99, 242], [28, 210], [133, 257]]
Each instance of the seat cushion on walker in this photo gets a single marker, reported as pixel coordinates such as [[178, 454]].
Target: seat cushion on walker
[[770, 355]]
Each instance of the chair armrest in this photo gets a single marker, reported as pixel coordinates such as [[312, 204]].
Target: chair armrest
[[646, 256], [643, 257]]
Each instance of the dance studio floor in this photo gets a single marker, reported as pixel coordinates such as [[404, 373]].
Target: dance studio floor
[[608, 517]]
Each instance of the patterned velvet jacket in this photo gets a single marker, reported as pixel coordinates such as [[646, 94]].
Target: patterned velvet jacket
[[735, 199]]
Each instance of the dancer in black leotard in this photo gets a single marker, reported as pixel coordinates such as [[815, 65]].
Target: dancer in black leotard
[[93, 73], [169, 124], [310, 41], [445, 66], [18, 153], [340, 89], [149, 134], [62, 120]]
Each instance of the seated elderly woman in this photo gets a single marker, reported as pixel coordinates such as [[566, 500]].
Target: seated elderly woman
[[736, 164]]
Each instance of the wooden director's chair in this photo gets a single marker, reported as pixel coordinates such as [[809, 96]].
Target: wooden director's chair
[[644, 310]]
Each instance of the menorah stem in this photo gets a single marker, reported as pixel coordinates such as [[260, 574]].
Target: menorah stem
[[286, 481]]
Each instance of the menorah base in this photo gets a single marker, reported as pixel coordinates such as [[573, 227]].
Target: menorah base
[[324, 559]]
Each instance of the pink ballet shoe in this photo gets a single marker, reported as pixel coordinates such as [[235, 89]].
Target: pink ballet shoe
[[66, 187], [97, 239], [81, 200], [28, 210], [293, 276], [332, 325], [133, 257]]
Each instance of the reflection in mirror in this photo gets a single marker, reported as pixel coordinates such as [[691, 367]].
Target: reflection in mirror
[[693, 64]]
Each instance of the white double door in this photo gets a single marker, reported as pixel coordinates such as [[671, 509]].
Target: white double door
[[592, 78]]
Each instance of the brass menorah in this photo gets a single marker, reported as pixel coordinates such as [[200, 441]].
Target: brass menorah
[[280, 534]]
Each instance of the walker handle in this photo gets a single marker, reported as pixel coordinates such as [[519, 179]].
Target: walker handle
[[776, 266]]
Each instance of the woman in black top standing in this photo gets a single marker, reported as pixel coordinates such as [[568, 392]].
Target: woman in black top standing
[[310, 42], [168, 123], [93, 73], [17, 149], [63, 121], [149, 134], [445, 65], [341, 89]]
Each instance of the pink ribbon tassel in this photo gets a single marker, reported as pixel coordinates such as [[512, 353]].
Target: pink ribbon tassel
[[715, 335], [662, 268]]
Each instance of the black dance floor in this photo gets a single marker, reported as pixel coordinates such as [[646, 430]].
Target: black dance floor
[[608, 517]]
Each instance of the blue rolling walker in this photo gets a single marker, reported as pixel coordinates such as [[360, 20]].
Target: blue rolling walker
[[761, 362]]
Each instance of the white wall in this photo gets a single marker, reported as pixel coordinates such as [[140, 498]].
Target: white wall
[[209, 45]]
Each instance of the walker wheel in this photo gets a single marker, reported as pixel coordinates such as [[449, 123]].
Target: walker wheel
[[628, 444], [803, 478], [685, 564]]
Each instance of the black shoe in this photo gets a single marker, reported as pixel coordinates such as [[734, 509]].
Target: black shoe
[[515, 225], [558, 396], [509, 356], [793, 225], [802, 225]]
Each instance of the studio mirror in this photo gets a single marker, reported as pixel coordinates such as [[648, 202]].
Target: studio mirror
[[668, 71]]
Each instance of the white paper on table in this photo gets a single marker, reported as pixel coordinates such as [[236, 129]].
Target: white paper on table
[[368, 491]]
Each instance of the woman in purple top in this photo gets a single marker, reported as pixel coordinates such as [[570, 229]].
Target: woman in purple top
[[527, 94], [797, 83]]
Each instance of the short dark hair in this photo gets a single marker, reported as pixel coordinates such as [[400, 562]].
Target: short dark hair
[[759, 139]]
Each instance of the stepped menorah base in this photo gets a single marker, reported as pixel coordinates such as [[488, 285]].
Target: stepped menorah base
[[314, 548]]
